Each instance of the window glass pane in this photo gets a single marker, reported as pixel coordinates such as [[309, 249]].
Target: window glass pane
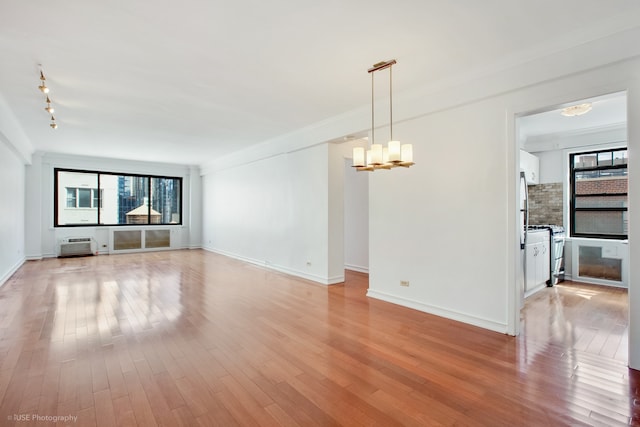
[[596, 222], [70, 210], [71, 197], [605, 181], [136, 208], [604, 159], [109, 199], [124, 199], [585, 161], [165, 200], [84, 197], [620, 157], [601, 201]]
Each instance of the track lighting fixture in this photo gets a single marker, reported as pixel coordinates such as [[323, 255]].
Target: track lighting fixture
[[49, 108], [43, 86], [44, 89]]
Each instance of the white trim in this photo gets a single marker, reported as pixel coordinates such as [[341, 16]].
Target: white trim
[[11, 272], [439, 311], [292, 272], [357, 268]]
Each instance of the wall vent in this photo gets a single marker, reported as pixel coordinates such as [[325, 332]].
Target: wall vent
[[76, 246]]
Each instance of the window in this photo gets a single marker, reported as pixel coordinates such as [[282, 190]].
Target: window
[[82, 197], [105, 198], [599, 194]]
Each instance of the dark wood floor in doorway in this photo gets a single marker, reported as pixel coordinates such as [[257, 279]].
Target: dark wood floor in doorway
[[193, 338]]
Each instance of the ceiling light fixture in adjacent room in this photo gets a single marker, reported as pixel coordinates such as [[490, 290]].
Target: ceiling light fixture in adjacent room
[[53, 123], [377, 156], [576, 110]]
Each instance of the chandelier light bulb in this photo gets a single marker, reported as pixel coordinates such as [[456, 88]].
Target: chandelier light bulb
[[43, 88]]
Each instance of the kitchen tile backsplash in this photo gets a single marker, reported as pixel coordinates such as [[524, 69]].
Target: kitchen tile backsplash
[[545, 204]]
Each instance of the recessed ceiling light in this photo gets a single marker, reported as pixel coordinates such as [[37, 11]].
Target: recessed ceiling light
[[576, 110]]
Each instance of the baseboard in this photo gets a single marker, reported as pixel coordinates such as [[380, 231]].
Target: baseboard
[[438, 311], [292, 272], [11, 271], [357, 268]]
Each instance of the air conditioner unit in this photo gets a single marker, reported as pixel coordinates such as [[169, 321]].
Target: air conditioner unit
[[76, 246]]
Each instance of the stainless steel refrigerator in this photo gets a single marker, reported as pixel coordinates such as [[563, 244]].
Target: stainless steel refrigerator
[[524, 224]]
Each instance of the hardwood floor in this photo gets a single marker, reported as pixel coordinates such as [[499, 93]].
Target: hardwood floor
[[188, 338], [586, 318]]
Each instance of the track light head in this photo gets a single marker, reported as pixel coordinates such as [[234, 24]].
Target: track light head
[[49, 109]]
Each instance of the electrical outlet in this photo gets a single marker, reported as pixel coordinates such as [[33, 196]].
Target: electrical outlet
[[404, 283]]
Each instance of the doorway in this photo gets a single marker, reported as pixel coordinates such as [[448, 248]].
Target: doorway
[[356, 219], [561, 145]]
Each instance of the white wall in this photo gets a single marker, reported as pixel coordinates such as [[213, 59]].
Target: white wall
[[42, 236], [449, 224], [15, 153], [12, 210], [335, 207], [442, 224], [633, 126], [194, 239], [450, 228], [356, 219], [273, 212]]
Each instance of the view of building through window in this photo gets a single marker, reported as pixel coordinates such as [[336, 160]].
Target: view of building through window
[[599, 183], [91, 198]]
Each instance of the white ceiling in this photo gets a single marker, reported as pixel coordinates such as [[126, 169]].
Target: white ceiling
[[185, 82], [607, 111]]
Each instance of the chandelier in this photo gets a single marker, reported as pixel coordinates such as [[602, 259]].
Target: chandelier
[[377, 156]]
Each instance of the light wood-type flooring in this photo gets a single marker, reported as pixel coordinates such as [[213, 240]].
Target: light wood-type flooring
[[188, 338]]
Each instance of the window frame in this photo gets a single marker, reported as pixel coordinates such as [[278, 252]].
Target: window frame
[[100, 195], [572, 196]]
